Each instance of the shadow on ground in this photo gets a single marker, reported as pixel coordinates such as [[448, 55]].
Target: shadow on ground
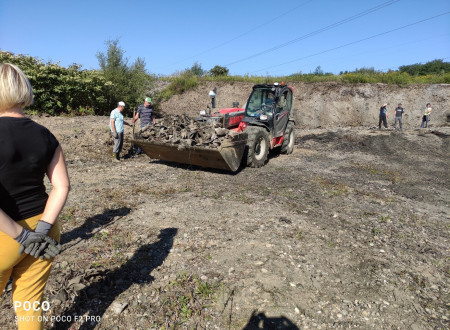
[[97, 297], [261, 322], [85, 231]]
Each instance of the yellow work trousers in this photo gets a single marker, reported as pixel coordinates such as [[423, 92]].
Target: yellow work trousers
[[29, 276]]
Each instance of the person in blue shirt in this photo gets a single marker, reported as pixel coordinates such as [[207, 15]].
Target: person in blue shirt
[[383, 116], [116, 125]]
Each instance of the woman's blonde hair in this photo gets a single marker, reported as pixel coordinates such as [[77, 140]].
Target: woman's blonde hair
[[15, 88]]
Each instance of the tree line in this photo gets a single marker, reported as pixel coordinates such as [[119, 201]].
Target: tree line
[[74, 91], [433, 67]]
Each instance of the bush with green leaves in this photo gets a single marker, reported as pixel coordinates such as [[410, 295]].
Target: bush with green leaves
[[218, 71], [60, 90], [433, 67]]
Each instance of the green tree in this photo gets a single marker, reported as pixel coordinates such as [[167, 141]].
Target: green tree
[[138, 82], [196, 70], [219, 71], [433, 67], [130, 82], [318, 71]]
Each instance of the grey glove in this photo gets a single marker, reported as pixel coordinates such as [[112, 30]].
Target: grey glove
[[116, 135], [35, 249], [50, 251], [43, 227], [37, 245]]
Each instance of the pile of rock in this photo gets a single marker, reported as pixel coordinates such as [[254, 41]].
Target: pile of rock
[[183, 130]]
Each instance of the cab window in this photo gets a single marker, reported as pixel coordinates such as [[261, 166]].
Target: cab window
[[261, 101]]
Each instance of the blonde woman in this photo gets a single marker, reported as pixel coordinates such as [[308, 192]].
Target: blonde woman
[[28, 216]]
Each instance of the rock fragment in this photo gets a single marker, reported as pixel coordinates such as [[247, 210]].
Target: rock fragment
[[184, 131]]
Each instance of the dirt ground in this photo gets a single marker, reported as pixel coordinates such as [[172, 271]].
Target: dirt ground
[[349, 231]]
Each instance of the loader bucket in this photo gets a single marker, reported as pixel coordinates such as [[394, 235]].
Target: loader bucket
[[227, 157]]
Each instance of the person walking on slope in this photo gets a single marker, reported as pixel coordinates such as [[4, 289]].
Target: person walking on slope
[[426, 116], [398, 113], [116, 126], [383, 116]]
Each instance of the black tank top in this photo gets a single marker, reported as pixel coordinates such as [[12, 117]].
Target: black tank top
[[26, 150]]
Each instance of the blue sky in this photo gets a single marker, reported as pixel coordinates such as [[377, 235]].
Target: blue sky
[[255, 37]]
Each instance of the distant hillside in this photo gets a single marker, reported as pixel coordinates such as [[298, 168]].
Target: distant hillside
[[330, 104]]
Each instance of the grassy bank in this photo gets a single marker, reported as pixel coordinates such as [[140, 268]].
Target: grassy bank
[[186, 81]]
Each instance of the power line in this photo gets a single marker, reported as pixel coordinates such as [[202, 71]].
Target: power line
[[355, 42], [349, 19], [244, 34], [397, 45]]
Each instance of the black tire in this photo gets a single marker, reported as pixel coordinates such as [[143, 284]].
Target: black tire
[[289, 139], [257, 146]]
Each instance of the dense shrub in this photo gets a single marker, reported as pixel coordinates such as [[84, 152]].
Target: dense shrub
[[71, 90], [219, 71], [60, 90], [433, 67]]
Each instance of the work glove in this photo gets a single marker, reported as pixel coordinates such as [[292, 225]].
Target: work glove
[[116, 136], [38, 245], [43, 227]]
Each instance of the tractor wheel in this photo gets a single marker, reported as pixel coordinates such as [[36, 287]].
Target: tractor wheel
[[257, 146], [289, 139]]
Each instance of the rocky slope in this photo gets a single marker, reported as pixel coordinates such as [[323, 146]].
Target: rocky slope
[[331, 104]]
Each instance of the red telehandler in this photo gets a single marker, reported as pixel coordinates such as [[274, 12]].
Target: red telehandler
[[264, 124]]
